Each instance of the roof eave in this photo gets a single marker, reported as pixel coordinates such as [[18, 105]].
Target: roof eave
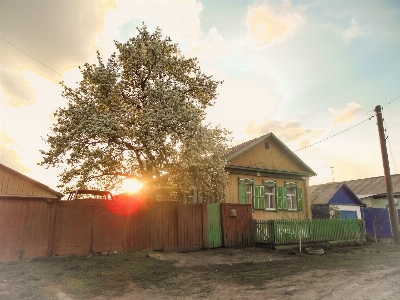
[[290, 152]]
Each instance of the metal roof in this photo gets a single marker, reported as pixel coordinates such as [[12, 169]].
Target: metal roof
[[374, 185], [323, 193], [362, 188]]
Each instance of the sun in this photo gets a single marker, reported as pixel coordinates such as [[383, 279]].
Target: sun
[[131, 185]]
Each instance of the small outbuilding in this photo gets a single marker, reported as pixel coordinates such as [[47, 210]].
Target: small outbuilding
[[335, 200], [24, 232]]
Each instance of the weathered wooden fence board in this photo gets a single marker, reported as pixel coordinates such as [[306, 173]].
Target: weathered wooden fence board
[[235, 220], [37, 228], [24, 228], [73, 228], [190, 226]]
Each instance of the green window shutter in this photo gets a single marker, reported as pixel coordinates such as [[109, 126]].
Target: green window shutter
[[258, 197], [300, 201], [262, 197], [242, 194], [285, 204], [279, 198]]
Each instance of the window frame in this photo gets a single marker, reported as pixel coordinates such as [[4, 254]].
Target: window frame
[[295, 203], [270, 184], [244, 183], [291, 198]]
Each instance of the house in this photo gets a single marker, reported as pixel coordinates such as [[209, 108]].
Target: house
[[265, 173], [24, 232], [14, 185], [372, 191], [335, 200]]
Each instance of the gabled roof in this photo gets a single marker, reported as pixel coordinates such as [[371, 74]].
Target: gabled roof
[[373, 186], [323, 193], [4, 185], [239, 149]]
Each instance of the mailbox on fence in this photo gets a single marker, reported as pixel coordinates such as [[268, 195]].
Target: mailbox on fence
[[233, 212]]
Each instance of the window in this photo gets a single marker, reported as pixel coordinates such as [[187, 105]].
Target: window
[[270, 197], [192, 197], [245, 191], [249, 193], [291, 198], [270, 194]]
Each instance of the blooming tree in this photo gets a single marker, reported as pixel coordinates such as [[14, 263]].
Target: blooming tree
[[140, 115]]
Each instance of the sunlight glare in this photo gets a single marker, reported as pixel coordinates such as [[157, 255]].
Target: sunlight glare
[[132, 185]]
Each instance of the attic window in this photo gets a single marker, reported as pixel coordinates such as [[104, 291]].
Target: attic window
[[266, 145]]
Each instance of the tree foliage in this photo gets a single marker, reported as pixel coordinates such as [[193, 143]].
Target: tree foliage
[[139, 115]]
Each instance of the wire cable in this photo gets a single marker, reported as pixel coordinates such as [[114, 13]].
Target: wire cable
[[390, 148], [329, 137], [391, 101], [30, 56]]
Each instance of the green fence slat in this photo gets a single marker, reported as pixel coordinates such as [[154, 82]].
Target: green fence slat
[[283, 232]]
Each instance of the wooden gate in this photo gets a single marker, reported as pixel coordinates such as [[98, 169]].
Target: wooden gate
[[263, 231], [214, 225], [236, 222]]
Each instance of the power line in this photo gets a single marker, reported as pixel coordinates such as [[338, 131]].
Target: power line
[[392, 114], [394, 125], [388, 103], [313, 144], [334, 134], [391, 101], [30, 56], [390, 148]]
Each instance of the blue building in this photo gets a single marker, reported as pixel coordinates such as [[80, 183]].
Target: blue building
[[335, 200]]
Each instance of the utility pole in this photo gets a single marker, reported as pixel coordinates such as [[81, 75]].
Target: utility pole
[[394, 218]]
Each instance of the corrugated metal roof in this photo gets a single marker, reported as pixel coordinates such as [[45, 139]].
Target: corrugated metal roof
[[362, 188], [374, 185], [321, 194]]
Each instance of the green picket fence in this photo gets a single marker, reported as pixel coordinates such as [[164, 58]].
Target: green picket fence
[[285, 232]]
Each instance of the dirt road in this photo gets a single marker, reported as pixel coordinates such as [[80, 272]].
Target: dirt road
[[352, 272]]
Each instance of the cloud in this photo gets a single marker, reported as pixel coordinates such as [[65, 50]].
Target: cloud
[[347, 115], [8, 156], [16, 88], [287, 131], [354, 31], [266, 24], [52, 36]]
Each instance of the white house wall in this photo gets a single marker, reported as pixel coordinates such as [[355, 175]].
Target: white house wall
[[348, 208]]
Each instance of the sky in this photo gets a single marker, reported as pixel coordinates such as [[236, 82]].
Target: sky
[[311, 72]]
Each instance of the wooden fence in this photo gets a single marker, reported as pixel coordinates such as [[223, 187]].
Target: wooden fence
[[284, 232], [236, 224], [31, 228]]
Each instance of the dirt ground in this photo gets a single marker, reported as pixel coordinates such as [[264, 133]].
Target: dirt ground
[[370, 271]]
